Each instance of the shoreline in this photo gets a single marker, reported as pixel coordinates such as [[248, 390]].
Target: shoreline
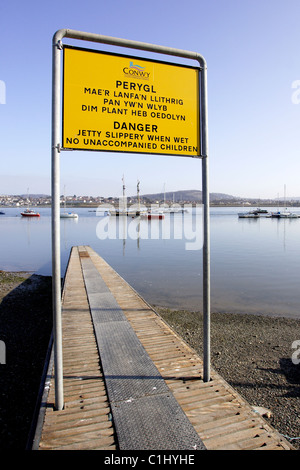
[[251, 352]]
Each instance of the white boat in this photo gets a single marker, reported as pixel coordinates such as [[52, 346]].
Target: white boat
[[285, 215], [173, 210], [67, 215]]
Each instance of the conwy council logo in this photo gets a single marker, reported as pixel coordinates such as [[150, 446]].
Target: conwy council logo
[[136, 71]]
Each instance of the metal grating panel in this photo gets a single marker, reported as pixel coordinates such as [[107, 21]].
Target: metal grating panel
[[145, 413], [155, 423], [129, 371], [104, 308], [93, 280]]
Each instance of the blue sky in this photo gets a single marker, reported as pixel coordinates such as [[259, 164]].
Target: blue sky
[[253, 57]]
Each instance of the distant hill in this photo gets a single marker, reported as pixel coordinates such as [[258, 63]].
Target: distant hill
[[34, 196], [192, 195]]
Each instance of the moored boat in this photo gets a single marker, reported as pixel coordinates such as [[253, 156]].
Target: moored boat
[[30, 213], [65, 214], [260, 211], [153, 215], [254, 214], [248, 215], [68, 215], [284, 215]]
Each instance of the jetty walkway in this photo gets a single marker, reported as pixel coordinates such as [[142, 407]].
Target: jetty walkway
[[131, 383]]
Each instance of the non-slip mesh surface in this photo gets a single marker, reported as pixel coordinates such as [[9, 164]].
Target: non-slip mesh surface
[[145, 413]]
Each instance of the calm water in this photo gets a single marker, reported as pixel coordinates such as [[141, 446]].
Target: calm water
[[255, 264]]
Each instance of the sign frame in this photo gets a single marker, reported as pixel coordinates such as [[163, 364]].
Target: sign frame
[[56, 148], [193, 125]]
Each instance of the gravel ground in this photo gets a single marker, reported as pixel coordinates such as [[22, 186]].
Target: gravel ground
[[25, 329], [253, 354]]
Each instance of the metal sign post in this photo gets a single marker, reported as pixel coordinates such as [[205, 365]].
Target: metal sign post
[[56, 148], [55, 214]]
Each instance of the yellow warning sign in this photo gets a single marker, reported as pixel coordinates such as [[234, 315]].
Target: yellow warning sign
[[127, 104]]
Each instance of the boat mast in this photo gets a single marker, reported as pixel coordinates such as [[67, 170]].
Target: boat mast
[[124, 198], [65, 197], [28, 199], [138, 194], [284, 195], [123, 187]]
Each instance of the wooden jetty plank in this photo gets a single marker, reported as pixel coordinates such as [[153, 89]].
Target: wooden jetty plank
[[220, 416], [85, 421], [150, 327]]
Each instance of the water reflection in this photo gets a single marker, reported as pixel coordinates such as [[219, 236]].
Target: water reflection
[[254, 262]]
